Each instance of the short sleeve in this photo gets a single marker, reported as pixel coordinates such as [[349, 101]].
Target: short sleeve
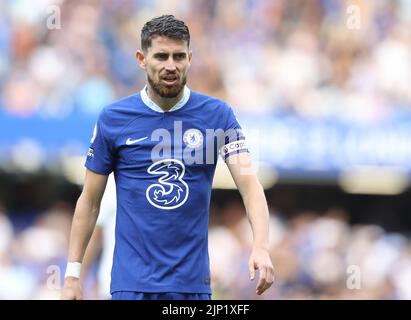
[[234, 139], [100, 155]]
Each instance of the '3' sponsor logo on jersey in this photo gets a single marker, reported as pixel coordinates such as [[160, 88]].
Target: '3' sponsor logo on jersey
[[170, 191]]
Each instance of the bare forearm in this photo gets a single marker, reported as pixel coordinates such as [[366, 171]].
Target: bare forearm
[[84, 221], [257, 212], [92, 251]]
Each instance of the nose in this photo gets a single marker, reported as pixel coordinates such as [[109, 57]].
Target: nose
[[170, 64]]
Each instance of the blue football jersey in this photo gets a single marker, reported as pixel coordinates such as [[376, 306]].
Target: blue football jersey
[[163, 163]]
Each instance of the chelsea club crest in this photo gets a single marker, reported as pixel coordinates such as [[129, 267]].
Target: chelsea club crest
[[193, 138]]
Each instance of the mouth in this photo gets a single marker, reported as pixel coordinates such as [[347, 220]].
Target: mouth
[[169, 79]]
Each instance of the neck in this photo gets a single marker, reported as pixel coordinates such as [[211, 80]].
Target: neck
[[164, 103]]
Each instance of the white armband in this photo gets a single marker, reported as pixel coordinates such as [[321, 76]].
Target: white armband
[[73, 270], [233, 148]]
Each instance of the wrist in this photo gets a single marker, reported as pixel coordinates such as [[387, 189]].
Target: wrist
[[73, 270], [260, 247]]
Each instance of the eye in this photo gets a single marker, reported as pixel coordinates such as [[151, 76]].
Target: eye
[[180, 56], [161, 56]]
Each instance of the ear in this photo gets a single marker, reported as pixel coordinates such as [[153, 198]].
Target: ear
[[190, 56], [141, 59]]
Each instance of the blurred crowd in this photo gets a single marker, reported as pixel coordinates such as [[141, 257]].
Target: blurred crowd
[[316, 255], [317, 59], [33, 253]]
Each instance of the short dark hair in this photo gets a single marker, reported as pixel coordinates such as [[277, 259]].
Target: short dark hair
[[167, 26]]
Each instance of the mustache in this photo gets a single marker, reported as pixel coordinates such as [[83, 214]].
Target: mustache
[[170, 75]]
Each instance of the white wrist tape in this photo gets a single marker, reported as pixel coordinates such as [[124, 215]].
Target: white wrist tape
[[73, 270]]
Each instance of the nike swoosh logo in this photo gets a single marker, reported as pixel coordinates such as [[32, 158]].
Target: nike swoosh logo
[[131, 141]]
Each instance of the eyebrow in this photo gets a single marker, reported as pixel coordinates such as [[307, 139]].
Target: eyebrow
[[182, 54], [162, 54], [167, 53]]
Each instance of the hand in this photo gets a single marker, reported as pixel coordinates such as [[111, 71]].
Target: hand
[[260, 260], [71, 289]]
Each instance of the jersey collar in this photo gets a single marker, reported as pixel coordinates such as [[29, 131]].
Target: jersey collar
[[153, 106]]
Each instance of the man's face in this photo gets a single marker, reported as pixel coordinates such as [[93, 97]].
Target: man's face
[[166, 62]]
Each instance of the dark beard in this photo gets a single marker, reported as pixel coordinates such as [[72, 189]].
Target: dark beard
[[165, 91]]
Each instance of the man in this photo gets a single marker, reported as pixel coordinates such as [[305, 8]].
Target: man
[[162, 145]]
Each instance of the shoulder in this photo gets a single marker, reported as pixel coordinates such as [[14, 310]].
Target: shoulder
[[212, 104], [120, 111]]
